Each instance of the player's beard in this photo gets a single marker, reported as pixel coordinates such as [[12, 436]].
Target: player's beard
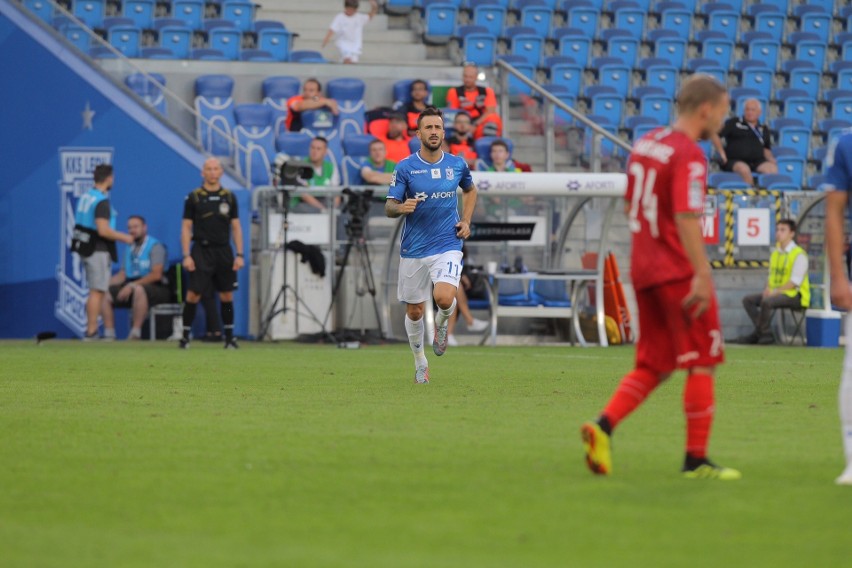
[[428, 144]]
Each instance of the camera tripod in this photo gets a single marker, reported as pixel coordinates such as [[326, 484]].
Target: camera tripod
[[281, 296], [355, 232]]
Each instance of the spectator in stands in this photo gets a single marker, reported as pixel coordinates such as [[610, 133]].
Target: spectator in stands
[[139, 284], [396, 139], [479, 102], [472, 283], [501, 159], [461, 142], [788, 285], [310, 99], [325, 174], [94, 240], [378, 170], [418, 94], [747, 148], [349, 28]]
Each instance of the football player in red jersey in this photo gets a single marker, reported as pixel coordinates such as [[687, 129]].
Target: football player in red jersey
[[678, 313]]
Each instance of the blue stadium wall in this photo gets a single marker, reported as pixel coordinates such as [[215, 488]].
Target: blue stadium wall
[[59, 118]]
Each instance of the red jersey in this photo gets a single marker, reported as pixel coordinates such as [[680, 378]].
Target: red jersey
[[666, 175]]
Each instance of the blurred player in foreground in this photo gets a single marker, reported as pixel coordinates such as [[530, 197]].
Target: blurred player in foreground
[[678, 313]]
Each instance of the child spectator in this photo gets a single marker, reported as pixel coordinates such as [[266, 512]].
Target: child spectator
[[349, 28]]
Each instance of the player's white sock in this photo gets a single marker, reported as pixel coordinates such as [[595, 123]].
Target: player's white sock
[[414, 330], [443, 315], [846, 412]]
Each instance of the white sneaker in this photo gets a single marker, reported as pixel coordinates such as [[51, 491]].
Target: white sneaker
[[451, 341], [478, 325], [845, 477]]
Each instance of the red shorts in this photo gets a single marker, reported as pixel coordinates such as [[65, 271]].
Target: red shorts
[[669, 338]]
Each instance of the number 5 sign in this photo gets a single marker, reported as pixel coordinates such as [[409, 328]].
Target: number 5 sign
[[752, 227]]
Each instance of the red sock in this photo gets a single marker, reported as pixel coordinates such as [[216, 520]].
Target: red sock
[[634, 387], [699, 409]]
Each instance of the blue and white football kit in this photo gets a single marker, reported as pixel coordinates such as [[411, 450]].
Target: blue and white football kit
[[429, 246], [839, 178]]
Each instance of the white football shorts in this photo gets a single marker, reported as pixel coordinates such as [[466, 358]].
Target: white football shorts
[[416, 273]]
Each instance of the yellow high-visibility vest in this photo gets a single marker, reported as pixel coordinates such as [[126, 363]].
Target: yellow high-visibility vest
[[781, 270]]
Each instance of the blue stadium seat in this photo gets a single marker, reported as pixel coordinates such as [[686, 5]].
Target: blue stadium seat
[[719, 50], [255, 142], [537, 17], [765, 50], [90, 12], [480, 49], [240, 12], [550, 293], [78, 36], [559, 33], [399, 7], [214, 23], [513, 293], [117, 21], [642, 90], [294, 144], [568, 76], [844, 79], [818, 23], [259, 55], [213, 102], [278, 42], [583, 18], [797, 138], [631, 123], [562, 118], [657, 107], [664, 77], [641, 131], [789, 65], [780, 5], [260, 25], [808, 80], [819, 154], [226, 40], [765, 180], [190, 11], [140, 11], [725, 21], [802, 108], [842, 109], [149, 91], [632, 20], [548, 61], [157, 53], [777, 124], [125, 39], [714, 71], [677, 20], [759, 79], [624, 48], [590, 91], [671, 49], [608, 106], [577, 48], [439, 21], [811, 50], [794, 167], [276, 92], [516, 86], [349, 94], [616, 76], [41, 8], [608, 148], [815, 181], [510, 32], [716, 179], [491, 16], [307, 56], [350, 170], [160, 23], [357, 145], [530, 47], [178, 39], [771, 22], [482, 147]]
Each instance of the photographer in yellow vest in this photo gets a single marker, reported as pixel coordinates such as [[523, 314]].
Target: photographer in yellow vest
[[788, 285]]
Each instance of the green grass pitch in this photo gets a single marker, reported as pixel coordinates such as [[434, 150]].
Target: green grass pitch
[[126, 455]]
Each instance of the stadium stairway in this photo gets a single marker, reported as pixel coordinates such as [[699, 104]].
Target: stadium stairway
[[388, 40]]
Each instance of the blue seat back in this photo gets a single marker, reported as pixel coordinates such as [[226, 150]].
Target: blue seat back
[[569, 76], [616, 76], [625, 49], [679, 21], [671, 49], [720, 50], [796, 138], [90, 12], [772, 23], [239, 12], [307, 56], [226, 40], [577, 48], [765, 50], [538, 18], [480, 49], [727, 22], [801, 108], [148, 90], [490, 16], [842, 108], [77, 35], [177, 39], [759, 79], [190, 11], [278, 42], [583, 18], [658, 107], [664, 77], [41, 8], [550, 293], [529, 47], [793, 167], [818, 23], [813, 51], [440, 22], [125, 39], [608, 106], [140, 11], [349, 94]]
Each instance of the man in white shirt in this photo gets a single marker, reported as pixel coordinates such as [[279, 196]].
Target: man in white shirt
[[788, 285], [349, 28]]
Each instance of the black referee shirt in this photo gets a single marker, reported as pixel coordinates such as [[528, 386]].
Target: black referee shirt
[[211, 213], [744, 143]]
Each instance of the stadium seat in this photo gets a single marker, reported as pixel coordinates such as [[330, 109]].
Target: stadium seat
[[240, 12], [643, 90], [818, 23], [632, 20], [278, 42], [819, 154], [623, 48], [765, 180], [549, 293], [140, 11], [90, 12], [306, 56], [772, 22], [578, 48], [716, 179], [797, 138], [641, 130], [777, 124], [816, 181], [77, 36], [117, 21], [516, 86], [276, 92], [633, 122], [260, 25], [41, 8], [226, 40], [125, 39], [719, 50], [842, 109], [255, 142], [157, 53], [725, 21], [678, 20], [657, 107], [530, 47], [293, 144], [549, 61], [811, 50], [663, 76], [583, 18], [190, 11], [537, 17], [482, 147], [258, 55], [802, 108], [608, 106], [716, 72], [480, 49], [349, 94], [215, 23], [765, 50], [357, 145], [616, 76], [149, 91], [759, 79], [808, 80], [568, 76], [350, 170], [439, 23], [491, 16], [793, 167], [671, 49], [178, 39], [399, 7], [214, 105]]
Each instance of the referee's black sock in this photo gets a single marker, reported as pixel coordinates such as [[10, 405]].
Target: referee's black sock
[[188, 318], [227, 309]]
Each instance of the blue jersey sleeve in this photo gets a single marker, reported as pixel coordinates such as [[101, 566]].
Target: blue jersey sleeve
[[839, 160], [466, 180], [399, 182]]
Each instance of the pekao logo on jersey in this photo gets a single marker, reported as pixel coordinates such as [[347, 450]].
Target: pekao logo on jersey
[[76, 165], [449, 172]]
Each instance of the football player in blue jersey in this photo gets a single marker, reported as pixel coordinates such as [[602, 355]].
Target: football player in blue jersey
[[423, 189], [839, 184]]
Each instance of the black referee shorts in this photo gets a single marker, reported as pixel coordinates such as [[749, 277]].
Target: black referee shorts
[[213, 265]]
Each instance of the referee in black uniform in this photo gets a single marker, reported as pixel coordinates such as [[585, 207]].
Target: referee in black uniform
[[211, 219]]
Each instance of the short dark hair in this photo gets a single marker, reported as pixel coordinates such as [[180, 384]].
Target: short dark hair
[[102, 172], [429, 111], [499, 142], [313, 80], [350, 3], [375, 141], [418, 82], [790, 223], [462, 113], [140, 217], [322, 139]]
